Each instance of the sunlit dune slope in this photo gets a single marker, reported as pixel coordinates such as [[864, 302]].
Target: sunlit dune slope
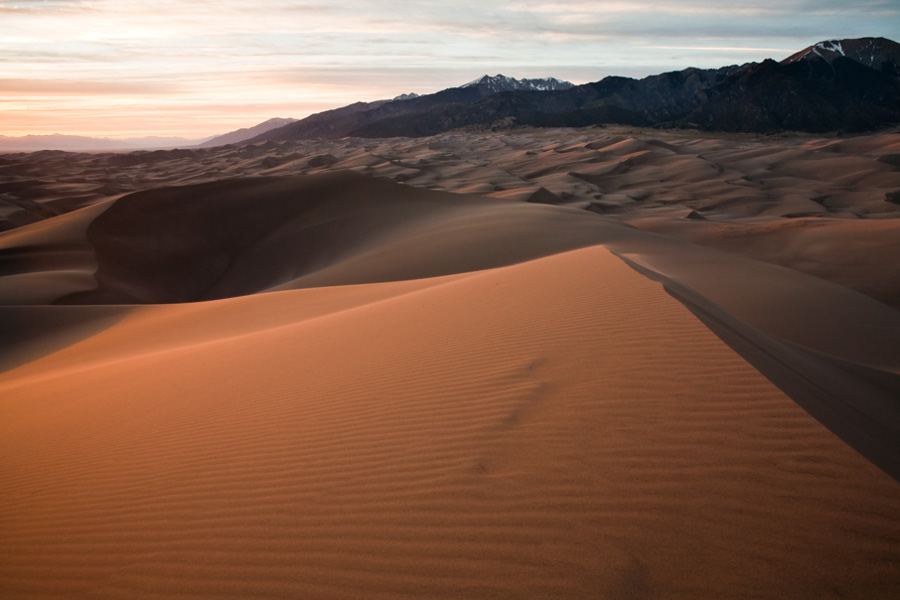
[[467, 436]]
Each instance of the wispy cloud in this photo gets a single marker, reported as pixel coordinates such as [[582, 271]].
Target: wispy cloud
[[722, 48], [80, 87]]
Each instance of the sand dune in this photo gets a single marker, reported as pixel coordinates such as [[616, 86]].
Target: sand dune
[[317, 382], [453, 437], [631, 170]]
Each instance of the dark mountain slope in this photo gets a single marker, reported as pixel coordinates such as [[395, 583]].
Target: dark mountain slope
[[850, 85], [352, 119], [804, 96]]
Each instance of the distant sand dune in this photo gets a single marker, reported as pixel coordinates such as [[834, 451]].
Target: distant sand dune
[[332, 385], [623, 173]]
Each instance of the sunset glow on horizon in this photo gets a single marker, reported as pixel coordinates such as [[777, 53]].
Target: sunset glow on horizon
[[120, 68]]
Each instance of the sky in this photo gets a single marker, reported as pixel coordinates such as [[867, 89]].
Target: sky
[[130, 68]]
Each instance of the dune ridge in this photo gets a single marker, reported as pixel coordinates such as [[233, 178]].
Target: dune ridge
[[335, 385], [431, 472]]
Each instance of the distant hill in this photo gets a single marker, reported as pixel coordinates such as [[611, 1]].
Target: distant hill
[[56, 141], [235, 137], [837, 85]]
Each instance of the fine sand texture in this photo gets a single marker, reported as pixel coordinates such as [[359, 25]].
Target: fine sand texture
[[534, 364]]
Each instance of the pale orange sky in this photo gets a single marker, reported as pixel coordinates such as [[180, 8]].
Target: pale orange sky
[[126, 68]]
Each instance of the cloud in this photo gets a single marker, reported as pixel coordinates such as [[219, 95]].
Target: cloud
[[701, 7], [722, 48], [31, 6], [78, 87]]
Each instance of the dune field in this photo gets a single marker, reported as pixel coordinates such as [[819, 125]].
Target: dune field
[[587, 363]]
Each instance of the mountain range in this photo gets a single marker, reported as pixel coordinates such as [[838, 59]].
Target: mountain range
[[850, 85], [368, 119], [838, 85], [56, 141]]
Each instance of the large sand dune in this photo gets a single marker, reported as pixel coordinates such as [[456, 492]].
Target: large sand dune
[[326, 384]]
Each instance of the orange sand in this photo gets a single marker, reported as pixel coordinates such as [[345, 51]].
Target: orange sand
[[454, 397]]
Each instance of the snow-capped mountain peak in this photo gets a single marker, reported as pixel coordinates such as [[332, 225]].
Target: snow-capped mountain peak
[[502, 83], [829, 46], [874, 53], [827, 50]]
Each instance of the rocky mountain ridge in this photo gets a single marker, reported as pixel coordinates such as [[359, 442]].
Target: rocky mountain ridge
[[840, 85]]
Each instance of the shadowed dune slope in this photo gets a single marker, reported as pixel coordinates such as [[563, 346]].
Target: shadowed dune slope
[[834, 350], [244, 236], [852, 253], [45, 260]]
